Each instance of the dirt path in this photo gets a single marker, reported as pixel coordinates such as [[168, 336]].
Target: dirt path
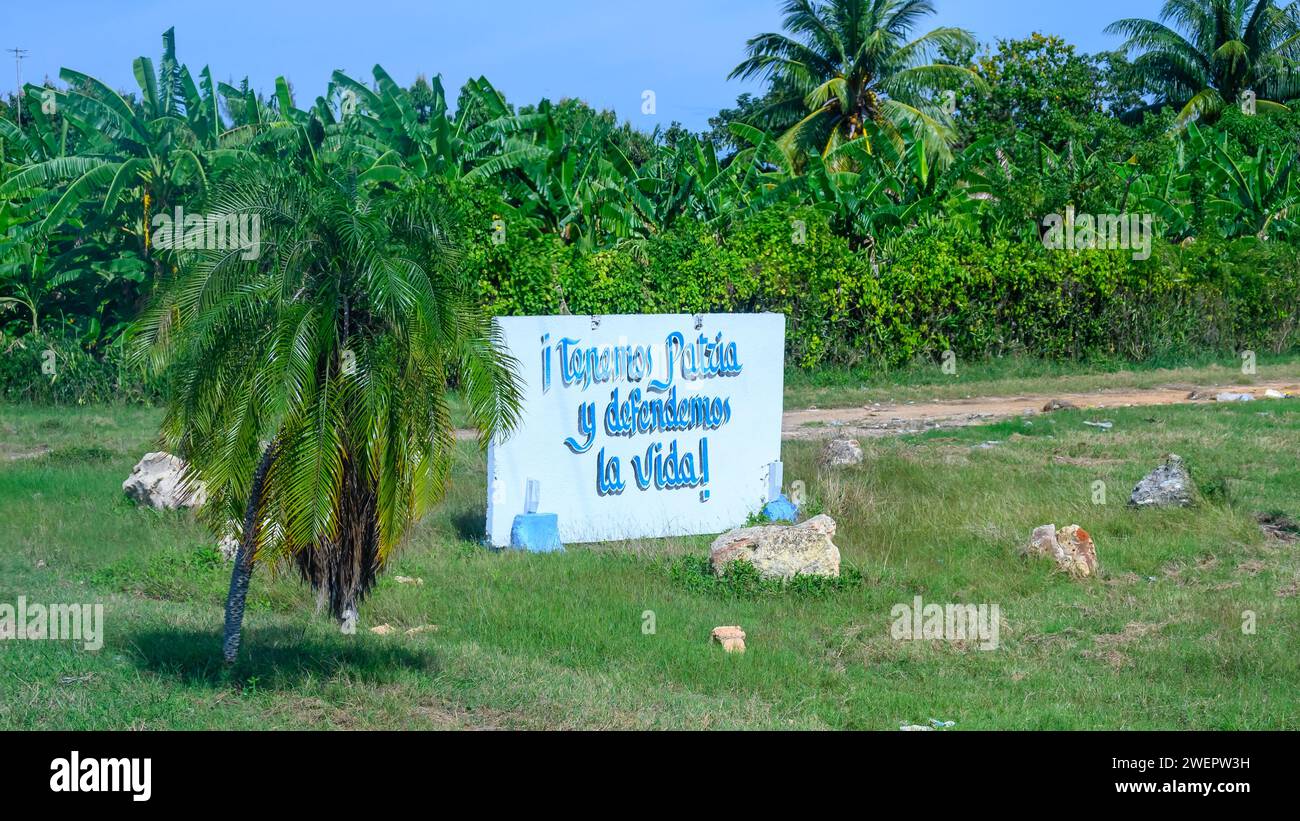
[[914, 417]]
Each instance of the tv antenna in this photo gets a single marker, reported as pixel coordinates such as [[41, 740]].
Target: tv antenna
[[19, 55]]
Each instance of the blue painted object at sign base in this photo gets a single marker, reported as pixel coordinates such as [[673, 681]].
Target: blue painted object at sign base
[[536, 533], [781, 509]]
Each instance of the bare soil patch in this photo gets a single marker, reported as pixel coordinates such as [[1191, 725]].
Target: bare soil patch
[[916, 417]]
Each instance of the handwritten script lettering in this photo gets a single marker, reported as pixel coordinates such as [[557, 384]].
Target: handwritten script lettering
[[642, 382]]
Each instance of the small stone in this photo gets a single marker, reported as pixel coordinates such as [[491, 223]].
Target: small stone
[[1042, 542], [1070, 547], [40, 564], [1081, 552], [1169, 485], [1059, 404], [731, 638], [841, 452], [228, 547]]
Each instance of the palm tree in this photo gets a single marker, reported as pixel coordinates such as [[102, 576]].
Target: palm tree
[[847, 69], [311, 380], [1202, 55]]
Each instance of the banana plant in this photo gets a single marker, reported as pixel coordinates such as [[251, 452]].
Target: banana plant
[[1167, 195], [1204, 184], [888, 191], [682, 180], [564, 183], [1167, 192], [864, 185], [43, 136], [31, 274], [443, 147], [1011, 185], [1259, 194], [155, 151]]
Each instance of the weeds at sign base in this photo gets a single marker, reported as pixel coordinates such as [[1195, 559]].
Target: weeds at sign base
[[741, 580]]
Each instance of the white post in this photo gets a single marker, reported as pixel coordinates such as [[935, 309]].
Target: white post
[[775, 479]]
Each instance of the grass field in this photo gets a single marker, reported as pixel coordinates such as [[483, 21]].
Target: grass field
[[557, 641]]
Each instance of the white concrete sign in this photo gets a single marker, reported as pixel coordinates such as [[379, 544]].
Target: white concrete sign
[[641, 426]]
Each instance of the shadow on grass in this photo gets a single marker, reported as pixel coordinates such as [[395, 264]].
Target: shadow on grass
[[276, 658], [470, 524]]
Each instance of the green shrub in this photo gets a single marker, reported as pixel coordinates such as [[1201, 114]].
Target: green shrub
[[78, 377], [937, 287], [741, 580]]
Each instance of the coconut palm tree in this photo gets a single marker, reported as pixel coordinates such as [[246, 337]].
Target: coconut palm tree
[[311, 378], [846, 69], [1202, 55]]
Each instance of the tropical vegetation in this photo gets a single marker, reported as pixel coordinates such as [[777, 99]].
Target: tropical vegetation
[[887, 191], [306, 285]]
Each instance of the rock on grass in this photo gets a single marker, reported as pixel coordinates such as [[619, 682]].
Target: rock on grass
[[842, 452], [781, 551], [158, 480], [732, 638], [1169, 485], [1070, 547]]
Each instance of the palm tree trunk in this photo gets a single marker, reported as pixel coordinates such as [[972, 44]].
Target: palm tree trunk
[[243, 571], [342, 570]]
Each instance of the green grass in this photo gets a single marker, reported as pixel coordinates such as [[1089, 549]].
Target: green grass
[[1017, 376], [557, 641]]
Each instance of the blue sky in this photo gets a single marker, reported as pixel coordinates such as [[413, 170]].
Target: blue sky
[[606, 52]]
